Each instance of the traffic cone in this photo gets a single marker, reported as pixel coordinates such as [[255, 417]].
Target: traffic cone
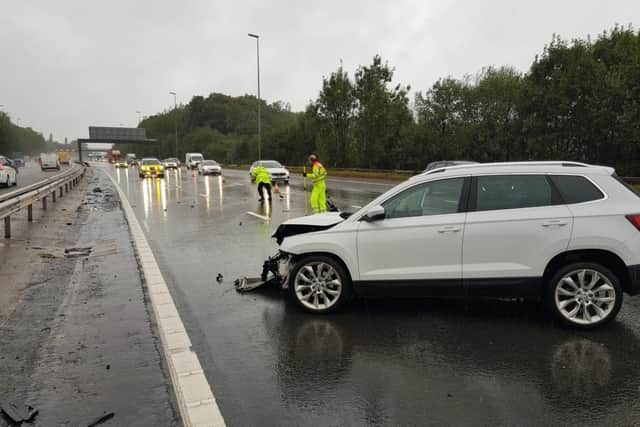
[[276, 189]]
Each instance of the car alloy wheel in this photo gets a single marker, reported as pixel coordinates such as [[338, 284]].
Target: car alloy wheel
[[319, 284], [586, 296]]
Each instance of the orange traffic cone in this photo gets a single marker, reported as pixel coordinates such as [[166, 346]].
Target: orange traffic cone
[[276, 189]]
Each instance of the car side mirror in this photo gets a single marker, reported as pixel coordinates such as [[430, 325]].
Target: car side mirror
[[376, 213]]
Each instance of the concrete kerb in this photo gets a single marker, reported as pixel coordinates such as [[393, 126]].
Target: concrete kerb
[[196, 401]]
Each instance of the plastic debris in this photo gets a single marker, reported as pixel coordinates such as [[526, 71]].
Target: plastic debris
[[102, 419], [18, 413], [246, 284], [219, 278]]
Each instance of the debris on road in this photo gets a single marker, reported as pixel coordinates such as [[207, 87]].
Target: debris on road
[[272, 274], [102, 419], [219, 278], [18, 413], [97, 190], [76, 252], [246, 284]]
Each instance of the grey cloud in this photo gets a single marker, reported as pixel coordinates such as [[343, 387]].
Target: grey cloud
[[69, 64]]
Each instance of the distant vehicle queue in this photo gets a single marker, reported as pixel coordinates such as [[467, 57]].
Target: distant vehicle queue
[[264, 173]]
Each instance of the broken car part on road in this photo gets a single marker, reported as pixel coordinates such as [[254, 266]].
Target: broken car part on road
[[275, 269]]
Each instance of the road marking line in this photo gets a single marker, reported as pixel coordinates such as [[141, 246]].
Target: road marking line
[[196, 401], [266, 218]]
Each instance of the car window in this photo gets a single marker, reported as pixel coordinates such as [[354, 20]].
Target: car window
[[576, 189], [512, 192], [270, 164], [430, 198], [150, 162]]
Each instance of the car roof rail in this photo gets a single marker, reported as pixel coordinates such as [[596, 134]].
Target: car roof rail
[[507, 164]]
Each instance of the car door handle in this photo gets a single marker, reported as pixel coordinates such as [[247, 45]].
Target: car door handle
[[449, 229], [555, 223]]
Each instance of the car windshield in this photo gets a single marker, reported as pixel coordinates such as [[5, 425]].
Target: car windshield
[[209, 163], [196, 158], [270, 164], [150, 162], [171, 159]]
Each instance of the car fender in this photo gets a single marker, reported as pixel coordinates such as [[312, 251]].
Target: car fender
[[341, 244]]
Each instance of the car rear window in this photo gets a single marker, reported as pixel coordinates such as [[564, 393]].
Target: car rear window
[[576, 189]]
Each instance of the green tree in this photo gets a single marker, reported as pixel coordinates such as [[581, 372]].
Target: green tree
[[335, 109], [383, 120]]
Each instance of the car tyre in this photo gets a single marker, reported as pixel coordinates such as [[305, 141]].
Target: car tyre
[[584, 295], [319, 284]]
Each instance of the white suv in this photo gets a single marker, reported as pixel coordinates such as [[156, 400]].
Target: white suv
[[564, 232]]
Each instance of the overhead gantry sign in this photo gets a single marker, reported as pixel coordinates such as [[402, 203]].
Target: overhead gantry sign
[[113, 135]]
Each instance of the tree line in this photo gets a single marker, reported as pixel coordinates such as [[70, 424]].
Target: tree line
[[16, 140], [579, 100]]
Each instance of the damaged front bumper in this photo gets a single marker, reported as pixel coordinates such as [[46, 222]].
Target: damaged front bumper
[[275, 272]]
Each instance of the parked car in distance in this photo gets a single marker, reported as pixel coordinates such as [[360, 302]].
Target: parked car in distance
[[8, 172], [444, 163], [565, 233], [171, 163], [209, 167], [191, 160], [277, 172], [150, 166], [131, 159], [49, 161]]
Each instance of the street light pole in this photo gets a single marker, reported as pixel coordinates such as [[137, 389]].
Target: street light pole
[[138, 116], [175, 112], [257, 37]]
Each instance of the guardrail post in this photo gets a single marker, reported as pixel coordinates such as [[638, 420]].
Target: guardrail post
[[60, 191], [44, 203], [30, 213], [7, 227], [54, 195], [66, 187]]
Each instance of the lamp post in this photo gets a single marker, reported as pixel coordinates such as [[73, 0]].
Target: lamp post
[[139, 113], [175, 122], [257, 37]]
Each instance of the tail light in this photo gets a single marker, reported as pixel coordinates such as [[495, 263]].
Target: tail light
[[635, 220]]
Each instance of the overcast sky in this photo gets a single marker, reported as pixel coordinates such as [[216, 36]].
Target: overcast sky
[[68, 64]]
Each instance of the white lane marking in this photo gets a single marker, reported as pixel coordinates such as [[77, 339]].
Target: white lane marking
[[266, 218], [196, 401]]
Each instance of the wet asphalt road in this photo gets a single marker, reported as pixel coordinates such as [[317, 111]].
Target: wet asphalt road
[[378, 362]]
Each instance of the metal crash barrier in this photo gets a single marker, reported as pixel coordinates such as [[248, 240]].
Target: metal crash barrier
[[56, 186]]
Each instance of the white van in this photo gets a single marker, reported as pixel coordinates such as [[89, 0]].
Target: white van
[[49, 161], [192, 160]]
